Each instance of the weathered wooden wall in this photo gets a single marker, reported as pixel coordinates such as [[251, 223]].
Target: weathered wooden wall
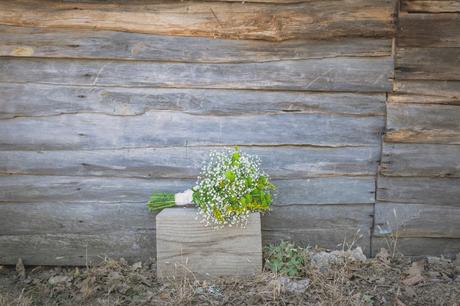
[[418, 194], [102, 103]]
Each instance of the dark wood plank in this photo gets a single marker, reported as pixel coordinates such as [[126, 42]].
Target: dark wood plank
[[363, 74], [430, 6], [417, 123], [68, 43], [421, 160], [160, 129], [429, 30], [77, 249], [323, 225], [449, 90], [420, 246], [416, 220], [416, 190], [185, 162], [428, 63], [63, 190], [318, 19], [19, 100]]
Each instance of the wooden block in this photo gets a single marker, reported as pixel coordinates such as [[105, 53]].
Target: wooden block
[[184, 243]]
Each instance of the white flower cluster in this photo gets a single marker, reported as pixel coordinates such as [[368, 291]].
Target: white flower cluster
[[223, 181]]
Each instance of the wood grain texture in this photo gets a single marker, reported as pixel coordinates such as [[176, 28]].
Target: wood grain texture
[[185, 245], [324, 225], [449, 90], [419, 190], [421, 160], [430, 6], [88, 217], [429, 30], [317, 19], [364, 74], [420, 246], [186, 162], [20, 100], [77, 249], [427, 63], [68, 43], [417, 123], [416, 220], [62, 189], [160, 129]]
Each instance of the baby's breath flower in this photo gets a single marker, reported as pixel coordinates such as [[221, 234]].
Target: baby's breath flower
[[231, 186]]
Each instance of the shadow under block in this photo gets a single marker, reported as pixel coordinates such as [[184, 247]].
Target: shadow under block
[[186, 245]]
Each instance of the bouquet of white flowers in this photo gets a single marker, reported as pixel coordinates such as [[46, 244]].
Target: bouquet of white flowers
[[231, 185]]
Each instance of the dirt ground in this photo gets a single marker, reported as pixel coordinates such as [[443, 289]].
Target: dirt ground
[[384, 280]]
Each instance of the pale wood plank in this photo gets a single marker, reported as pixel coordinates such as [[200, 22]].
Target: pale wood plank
[[71, 43], [363, 74], [421, 160], [77, 249], [417, 123], [20, 100], [63, 190], [186, 162], [160, 129], [318, 19], [323, 225], [182, 240], [416, 190], [416, 220]]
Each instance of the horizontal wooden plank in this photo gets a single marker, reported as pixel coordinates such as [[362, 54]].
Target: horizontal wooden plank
[[427, 63], [449, 90], [61, 189], [419, 246], [159, 129], [185, 162], [416, 220], [75, 218], [318, 19], [77, 249], [429, 30], [424, 99], [322, 225], [426, 160], [417, 123], [434, 191], [66, 43], [183, 240], [19, 100], [365, 74], [430, 6]]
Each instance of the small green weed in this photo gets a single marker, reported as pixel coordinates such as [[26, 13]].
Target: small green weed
[[285, 258]]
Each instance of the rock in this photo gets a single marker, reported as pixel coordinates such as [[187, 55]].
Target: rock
[[136, 266], [20, 269], [294, 286], [59, 279], [414, 273], [324, 260]]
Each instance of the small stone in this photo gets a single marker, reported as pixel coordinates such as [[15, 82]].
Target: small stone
[[59, 279], [294, 286], [136, 266]]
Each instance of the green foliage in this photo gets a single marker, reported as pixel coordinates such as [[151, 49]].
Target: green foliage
[[230, 186], [285, 259], [161, 200]]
